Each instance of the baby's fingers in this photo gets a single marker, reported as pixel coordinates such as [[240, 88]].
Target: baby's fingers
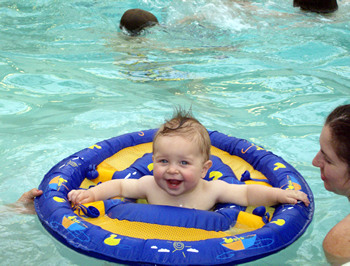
[[85, 200], [73, 196], [303, 197], [80, 196], [85, 196]]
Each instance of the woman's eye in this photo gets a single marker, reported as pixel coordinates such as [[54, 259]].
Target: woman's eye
[[325, 158]]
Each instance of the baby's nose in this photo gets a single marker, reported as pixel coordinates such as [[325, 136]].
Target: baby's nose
[[172, 169]]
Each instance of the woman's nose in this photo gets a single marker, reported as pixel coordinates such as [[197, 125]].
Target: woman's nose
[[317, 160]]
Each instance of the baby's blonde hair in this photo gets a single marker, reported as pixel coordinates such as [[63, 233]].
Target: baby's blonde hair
[[184, 124]]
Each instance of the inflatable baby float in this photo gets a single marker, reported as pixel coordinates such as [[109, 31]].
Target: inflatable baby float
[[122, 230]]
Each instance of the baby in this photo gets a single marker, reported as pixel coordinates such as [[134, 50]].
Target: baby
[[181, 151]]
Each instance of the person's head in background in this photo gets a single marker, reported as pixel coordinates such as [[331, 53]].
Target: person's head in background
[[319, 6], [135, 20], [333, 159]]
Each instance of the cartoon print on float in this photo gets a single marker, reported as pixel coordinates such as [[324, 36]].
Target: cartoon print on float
[[57, 182], [112, 240], [176, 246], [293, 184], [235, 244], [258, 148], [95, 146], [58, 199], [215, 175], [238, 243], [72, 225]]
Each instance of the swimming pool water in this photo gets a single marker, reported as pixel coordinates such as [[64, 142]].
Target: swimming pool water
[[260, 70]]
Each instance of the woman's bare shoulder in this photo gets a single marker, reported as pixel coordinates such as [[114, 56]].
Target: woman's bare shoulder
[[336, 244]]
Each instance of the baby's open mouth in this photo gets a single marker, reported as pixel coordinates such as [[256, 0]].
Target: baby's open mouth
[[173, 183]]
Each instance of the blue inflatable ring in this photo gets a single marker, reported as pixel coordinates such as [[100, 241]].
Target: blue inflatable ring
[[121, 230]]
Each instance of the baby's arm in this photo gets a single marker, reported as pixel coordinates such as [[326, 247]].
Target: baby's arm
[[267, 196], [130, 188], [257, 195]]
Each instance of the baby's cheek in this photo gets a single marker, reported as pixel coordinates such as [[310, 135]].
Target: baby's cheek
[[157, 173]]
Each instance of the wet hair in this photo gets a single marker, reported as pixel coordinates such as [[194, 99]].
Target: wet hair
[[135, 20], [319, 6], [185, 125], [339, 123]]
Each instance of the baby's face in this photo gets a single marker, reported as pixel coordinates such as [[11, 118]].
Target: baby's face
[[178, 164]]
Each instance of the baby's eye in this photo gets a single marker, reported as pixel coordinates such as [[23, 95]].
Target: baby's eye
[[163, 161], [184, 163]]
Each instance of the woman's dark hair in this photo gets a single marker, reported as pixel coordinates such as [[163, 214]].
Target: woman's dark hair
[[319, 6], [339, 123]]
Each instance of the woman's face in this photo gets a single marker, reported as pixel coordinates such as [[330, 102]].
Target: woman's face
[[334, 172]]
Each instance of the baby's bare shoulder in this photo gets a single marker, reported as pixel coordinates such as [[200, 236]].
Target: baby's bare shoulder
[[147, 182], [147, 179], [217, 185], [221, 184]]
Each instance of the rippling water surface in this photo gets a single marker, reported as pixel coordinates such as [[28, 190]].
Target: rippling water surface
[[260, 70]]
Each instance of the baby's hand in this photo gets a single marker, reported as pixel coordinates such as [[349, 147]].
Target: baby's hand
[[292, 197], [81, 196]]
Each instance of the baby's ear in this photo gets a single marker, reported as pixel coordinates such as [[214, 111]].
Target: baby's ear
[[206, 167]]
